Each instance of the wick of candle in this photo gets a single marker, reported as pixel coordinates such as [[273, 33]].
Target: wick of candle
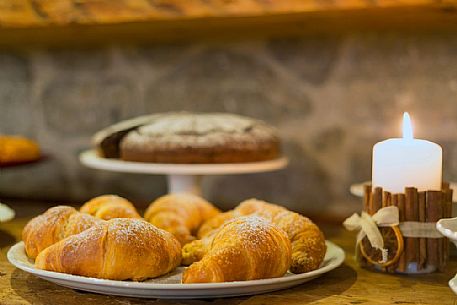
[[407, 127]]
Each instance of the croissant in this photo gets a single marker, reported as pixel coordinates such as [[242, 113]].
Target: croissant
[[308, 241], [180, 214], [118, 249], [245, 248], [110, 206], [53, 225], [194, 251]]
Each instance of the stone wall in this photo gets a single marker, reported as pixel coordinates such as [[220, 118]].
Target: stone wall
[[331, 96]]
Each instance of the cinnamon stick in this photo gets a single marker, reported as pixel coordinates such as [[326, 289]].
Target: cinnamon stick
[[367, 189], [434, 212], [401, 211], [386, 199], [447, 212], [366, 197], [390, 200], [422, 241], [376, 202], [448, 200], [411, 214]]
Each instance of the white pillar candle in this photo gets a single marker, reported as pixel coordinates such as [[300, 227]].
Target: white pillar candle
[[407, 162]]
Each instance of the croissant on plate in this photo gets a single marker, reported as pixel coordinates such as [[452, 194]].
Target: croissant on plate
[[308, 242], [118, 249], [245, 248], [110, 206], [180, 214], [55, 224]]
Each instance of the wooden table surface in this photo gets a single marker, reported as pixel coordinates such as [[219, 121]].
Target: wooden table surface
[[347, 284]]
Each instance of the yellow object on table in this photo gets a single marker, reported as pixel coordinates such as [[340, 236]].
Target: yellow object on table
[[16, 149]]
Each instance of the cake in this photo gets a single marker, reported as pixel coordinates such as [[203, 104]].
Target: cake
[[189, 138]]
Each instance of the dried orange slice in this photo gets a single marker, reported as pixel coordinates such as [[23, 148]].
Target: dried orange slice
[[393, 242]]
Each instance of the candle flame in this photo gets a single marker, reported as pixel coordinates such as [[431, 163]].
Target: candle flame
[[407, 127]]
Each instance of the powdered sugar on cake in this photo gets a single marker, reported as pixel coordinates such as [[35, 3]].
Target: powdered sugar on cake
[[182, 137], [200, 130]]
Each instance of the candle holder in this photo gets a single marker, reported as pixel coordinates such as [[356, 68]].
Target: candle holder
[[412, 245]]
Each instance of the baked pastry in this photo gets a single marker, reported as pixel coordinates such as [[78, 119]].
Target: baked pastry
[[54, 225], [189, 138], [214, 223], [308, 241], [15, 149], [110, 206], [245, 248], [118, 249], [181, 214]]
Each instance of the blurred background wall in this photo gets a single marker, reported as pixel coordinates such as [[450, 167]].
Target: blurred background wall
[[332, 97]]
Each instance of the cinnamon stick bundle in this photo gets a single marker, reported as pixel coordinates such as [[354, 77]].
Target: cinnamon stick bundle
[[414, 206]]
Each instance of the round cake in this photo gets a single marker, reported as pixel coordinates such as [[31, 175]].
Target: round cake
[[189, 138]]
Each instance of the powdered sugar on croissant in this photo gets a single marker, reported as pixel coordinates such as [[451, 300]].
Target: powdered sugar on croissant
[[118, 249], [245, 248], [308, 241]]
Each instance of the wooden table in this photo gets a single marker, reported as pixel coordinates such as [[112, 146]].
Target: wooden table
[[348, 284]]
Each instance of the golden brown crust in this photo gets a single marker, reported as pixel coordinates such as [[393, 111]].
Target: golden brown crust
[[180, 214], [55, 224], [110, 206], [245, 248], [308, 241], [213, 223], [118, 249]]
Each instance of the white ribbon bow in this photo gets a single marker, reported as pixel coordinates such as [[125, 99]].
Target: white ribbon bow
[[368, 226]]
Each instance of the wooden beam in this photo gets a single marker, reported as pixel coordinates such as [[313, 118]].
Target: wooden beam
[[62, 23], [36, 13]]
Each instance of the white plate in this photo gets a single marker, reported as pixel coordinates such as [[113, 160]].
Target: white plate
[[448, 227], [169, 286], [90, 159], [453, 284], [357, 189]]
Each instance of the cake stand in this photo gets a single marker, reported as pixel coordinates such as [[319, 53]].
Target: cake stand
[[180, 177]]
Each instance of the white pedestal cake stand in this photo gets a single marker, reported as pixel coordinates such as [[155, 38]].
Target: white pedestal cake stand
[[181, 177]]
